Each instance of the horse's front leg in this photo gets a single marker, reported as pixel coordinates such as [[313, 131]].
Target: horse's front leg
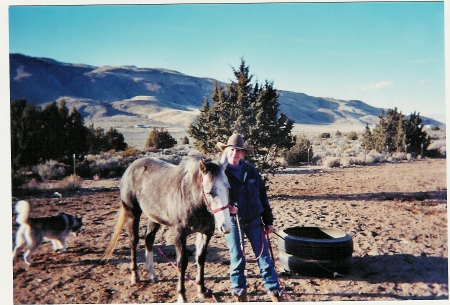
[[201, 251], [182, 261], [152, 228]]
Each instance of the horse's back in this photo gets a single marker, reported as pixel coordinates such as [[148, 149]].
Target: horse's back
[[141, 173]]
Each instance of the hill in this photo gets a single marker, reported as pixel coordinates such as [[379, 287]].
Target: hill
[[124, 96]]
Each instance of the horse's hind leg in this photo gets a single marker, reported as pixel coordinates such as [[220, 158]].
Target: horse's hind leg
[[152, 228], [201, 250], [133, 215]]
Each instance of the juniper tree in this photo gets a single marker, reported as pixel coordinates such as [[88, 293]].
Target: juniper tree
[[159, 139], [367, 138], [26, 133], [302, 151], [416, 138], [205, 124], [400, 137], [115, 139], [54, 133], [379, 132], [245, 108], [394, 132]]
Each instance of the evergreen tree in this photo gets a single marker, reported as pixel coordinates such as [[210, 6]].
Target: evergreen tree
[[367, 138], [204, 127], [165, 139], [115, 140], [400, 137], [54, 123], [53, 133], [96, 140], [244, 108], [379, 134], [395, 133], [302, 151], [393, 119], [76, 134], [152, 140], [159, 139], [416, 138], [26, 134]]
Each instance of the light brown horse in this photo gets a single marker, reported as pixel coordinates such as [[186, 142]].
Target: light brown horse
[[191, 197]]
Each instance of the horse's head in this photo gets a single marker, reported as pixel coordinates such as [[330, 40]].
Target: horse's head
[[215, 187]]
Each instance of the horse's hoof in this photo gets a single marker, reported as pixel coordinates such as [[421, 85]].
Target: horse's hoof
[[30, 263], [134, 280], [153, 279], [181, 298], [205, 294]]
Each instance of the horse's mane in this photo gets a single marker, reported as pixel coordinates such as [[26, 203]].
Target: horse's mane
[[189, 174], [190, 166]]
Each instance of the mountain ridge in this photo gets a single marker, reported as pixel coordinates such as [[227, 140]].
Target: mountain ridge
[[128, 95]]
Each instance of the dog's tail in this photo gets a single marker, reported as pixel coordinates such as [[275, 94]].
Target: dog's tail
[[23, 212], [115, 236]]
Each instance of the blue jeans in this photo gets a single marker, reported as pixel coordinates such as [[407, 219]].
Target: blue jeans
[[254, 232]]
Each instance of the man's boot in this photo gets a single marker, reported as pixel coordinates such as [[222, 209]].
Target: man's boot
[[276, 296], [243, 297]]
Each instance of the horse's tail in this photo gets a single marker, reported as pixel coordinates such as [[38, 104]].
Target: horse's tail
[[115, 237]]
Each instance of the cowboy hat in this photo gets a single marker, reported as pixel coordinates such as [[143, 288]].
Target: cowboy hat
[[235, 141]]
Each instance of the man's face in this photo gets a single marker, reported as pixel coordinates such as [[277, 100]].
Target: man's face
[[234, 155]]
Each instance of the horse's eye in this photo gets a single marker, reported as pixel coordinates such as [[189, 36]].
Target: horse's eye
[[211, 193]]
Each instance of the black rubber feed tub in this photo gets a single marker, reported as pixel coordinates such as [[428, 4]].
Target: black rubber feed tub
[[327, 268], [311, 249]]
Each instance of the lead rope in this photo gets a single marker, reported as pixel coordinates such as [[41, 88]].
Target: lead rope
[[283, 291], [242, 242]]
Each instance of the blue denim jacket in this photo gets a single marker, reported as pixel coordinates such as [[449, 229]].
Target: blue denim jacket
[[249, 192]]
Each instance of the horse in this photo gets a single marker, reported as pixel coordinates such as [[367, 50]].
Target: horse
[[191, 197]]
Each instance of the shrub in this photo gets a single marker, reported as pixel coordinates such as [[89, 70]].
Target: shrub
[[330, 162], [131, 151], [51, 169], [159, 139], [324, 135], [71, 183], [185, 140], [352, 136], [398, 156], [375, 157], [338, 134], [301, 152], [108, 167], [436, 149], [352, 161]]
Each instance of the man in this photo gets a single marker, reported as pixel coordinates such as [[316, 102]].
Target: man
[[251, 214]]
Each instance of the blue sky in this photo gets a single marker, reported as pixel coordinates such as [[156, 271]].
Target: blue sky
[[386, 54]]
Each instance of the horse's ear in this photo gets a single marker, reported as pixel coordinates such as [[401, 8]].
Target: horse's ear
[[223, 161], [202, 166]]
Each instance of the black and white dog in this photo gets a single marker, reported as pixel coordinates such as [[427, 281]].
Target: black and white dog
[[33, 231]]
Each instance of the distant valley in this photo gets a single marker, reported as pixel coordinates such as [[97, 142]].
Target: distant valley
[[131, 98]]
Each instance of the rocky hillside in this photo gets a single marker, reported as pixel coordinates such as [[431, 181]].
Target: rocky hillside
[[131, 96]]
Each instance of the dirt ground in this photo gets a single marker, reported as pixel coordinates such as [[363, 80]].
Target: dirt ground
[[395, 213]]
